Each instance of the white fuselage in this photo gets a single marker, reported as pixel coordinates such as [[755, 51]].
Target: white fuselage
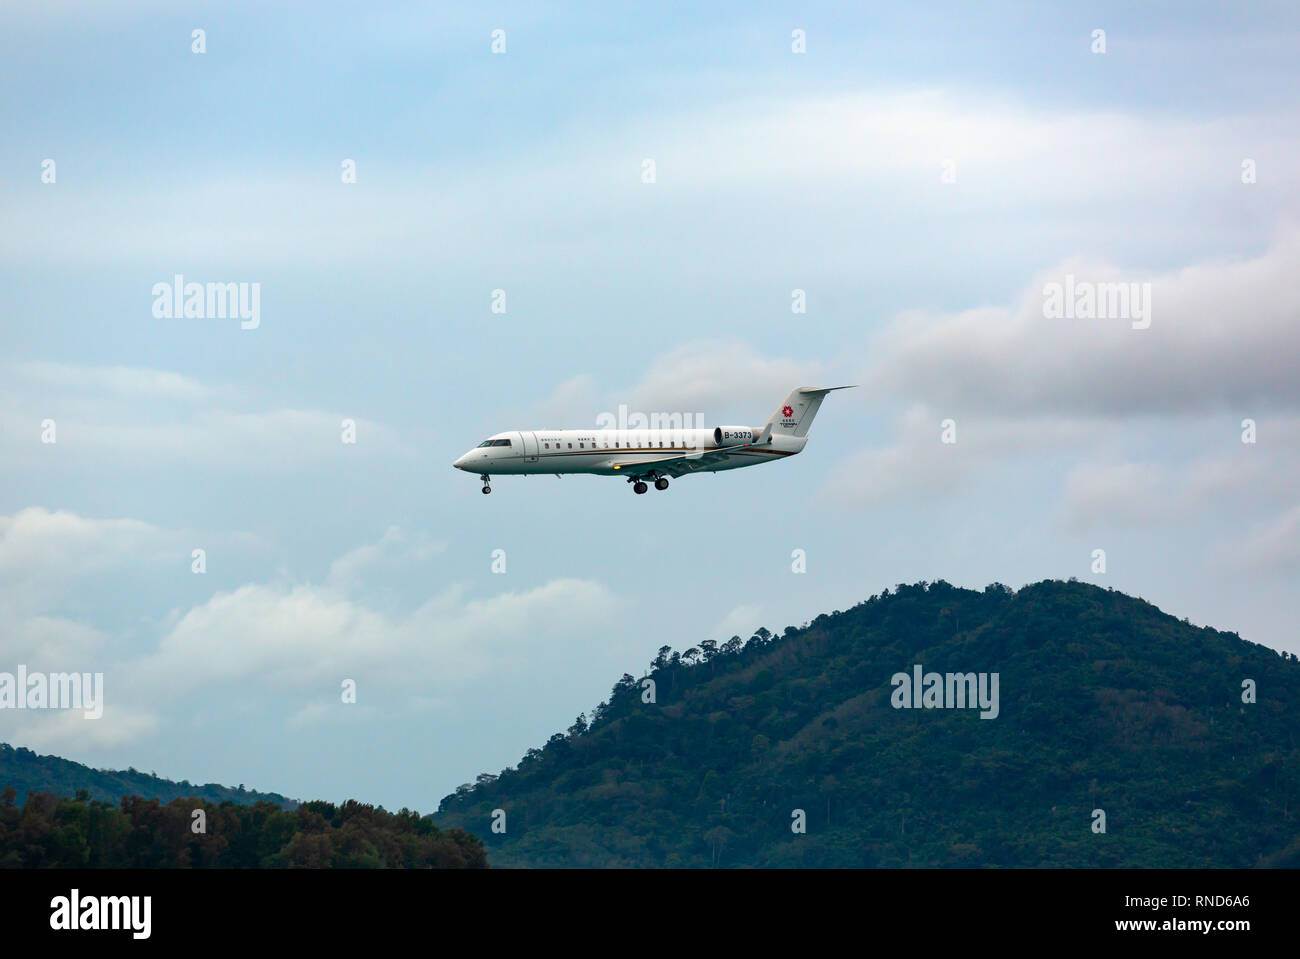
[[621, 452], [643, 455]]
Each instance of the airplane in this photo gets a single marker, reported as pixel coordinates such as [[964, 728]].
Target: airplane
[[648, 454]]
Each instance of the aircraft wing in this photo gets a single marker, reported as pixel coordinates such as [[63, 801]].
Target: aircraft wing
[[681, 463]]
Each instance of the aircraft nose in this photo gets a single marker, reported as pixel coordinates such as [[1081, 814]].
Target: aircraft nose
[[459, 463]]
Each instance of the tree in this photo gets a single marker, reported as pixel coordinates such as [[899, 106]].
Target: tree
[[828, 786], [717, 838], [624, 685]]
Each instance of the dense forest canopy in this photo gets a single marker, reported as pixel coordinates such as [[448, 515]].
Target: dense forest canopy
[[54, 832], [1106, 704]]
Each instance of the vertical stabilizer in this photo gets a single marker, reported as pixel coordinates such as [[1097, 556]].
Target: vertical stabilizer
[[794, 416]]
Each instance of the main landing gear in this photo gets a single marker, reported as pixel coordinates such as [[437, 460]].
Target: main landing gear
[[486, 488], [639, 486]]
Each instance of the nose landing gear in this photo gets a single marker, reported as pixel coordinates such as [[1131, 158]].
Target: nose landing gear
[[486, 488]]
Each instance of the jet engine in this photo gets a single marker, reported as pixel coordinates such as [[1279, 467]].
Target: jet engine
[[733, 435]]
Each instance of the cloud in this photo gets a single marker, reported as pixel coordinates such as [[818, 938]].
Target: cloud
[[823, 165], [712, 375], [1125, 493], [1149, 417], [118, 380], [62, 730], [395, 548], [43, 553], [48, 643], [320, 713], [741, 621], [920, 465], [1273, 546], [270, 641], [1223, 336], [572, 403], [711, 378], [298, 637], [1231, 486], [113, 416]]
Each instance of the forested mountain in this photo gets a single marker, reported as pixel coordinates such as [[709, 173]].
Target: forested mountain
[[1106, 706], [27, 772]]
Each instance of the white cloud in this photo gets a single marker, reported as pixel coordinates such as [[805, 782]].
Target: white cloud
[[48, 643], [920, 465], [120, 380], [1223, 336], [1231, 485], [276, 640], [43, 552], [396, 547], [712, 375], [299, 637], [571, 404], [741, 621], [113, 416], [63, 730], [856, 157], [713, 378]]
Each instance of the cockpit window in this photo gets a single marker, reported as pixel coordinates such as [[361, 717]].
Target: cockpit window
[[493, 443]]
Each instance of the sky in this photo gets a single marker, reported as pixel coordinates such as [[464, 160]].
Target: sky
[[923, 173]]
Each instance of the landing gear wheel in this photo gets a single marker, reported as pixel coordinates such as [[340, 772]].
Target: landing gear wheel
[[661, 483], [638, 487], [487, 489]]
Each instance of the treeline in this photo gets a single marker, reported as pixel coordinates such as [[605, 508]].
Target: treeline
[[54, 832]]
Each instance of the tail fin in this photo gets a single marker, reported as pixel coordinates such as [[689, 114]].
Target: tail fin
[[795, 415]]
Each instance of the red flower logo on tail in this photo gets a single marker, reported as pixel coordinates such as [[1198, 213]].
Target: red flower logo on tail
[[787, 411]]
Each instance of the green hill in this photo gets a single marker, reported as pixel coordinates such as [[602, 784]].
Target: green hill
[[72, 816], [27, 772], [1105, 703]]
